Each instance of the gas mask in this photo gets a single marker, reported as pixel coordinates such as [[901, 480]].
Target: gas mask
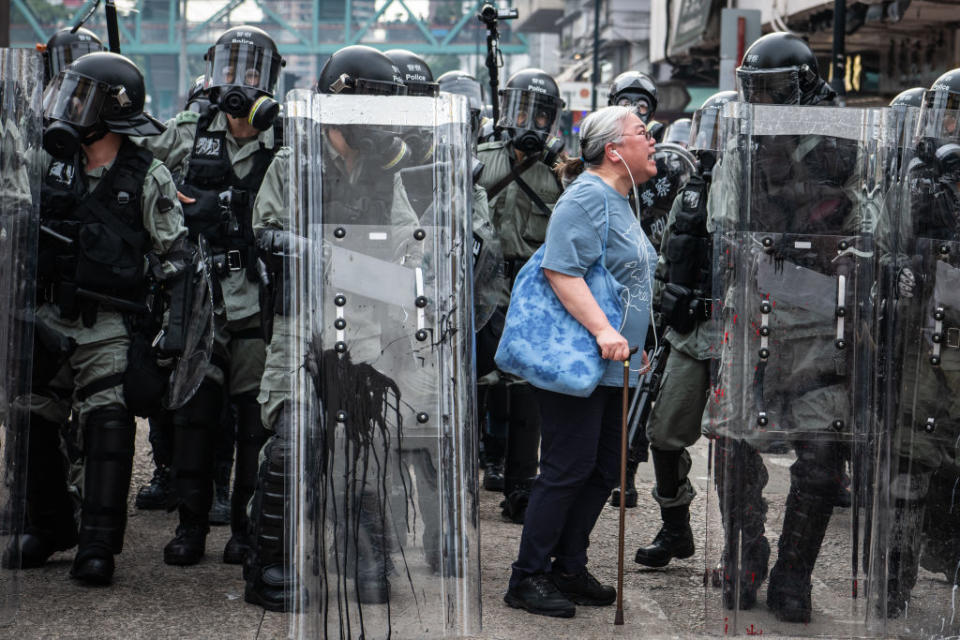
[[529, 141], [62, 140], [247, 103], [386, 147]]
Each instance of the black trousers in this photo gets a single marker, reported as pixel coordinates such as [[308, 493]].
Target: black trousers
[[579, 467]]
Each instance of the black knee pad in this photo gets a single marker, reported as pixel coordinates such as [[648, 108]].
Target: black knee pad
[[818, 470]]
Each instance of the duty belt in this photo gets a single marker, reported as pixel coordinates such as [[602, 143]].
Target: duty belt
[[228, 261]]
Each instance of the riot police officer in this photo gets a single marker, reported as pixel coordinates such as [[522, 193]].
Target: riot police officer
[[221, 156], [65, 46], [920, 247], [681, 295], [102, 196], [357, 158], [521, 189], [489, 284], [636, 89], [802, 209]]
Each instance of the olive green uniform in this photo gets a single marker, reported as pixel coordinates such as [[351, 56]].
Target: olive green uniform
[[102, 348], [240, 317]]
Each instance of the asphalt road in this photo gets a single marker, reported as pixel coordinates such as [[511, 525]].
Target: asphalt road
[[152, 600]]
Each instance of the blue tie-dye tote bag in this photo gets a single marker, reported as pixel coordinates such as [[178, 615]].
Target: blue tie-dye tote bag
[[543, 343]]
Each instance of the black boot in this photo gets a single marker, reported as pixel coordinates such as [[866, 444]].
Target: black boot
[[631, 492], [493, 475], [522, 454], [265, 568], [251, 437], [805, 522], [190, 542], [158, 493], [903, 556], [109, 435], [674, 540], [194, 432], [740, 478], [50, 523], [220, 511]]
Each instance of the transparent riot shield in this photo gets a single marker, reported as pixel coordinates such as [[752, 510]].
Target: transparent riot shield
[[20, 129], [191, 366], [794, 205], [918, 540], [384, 541]]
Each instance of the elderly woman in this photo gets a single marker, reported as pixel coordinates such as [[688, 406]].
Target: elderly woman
[[580, 451]]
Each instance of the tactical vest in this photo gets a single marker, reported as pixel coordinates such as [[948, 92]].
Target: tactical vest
[[94, 241], [684, 300], [224, 206]]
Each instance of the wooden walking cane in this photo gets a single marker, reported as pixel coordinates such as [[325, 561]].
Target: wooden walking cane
[[618, 620]]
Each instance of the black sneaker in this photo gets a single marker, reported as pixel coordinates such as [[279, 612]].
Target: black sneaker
[[583, 588], [538, 594]]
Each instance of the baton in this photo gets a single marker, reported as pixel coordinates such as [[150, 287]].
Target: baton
[[618, 620]]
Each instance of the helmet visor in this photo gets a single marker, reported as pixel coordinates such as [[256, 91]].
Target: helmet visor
[[464, 87], [74, 99], [429, 89], [769, 86], [705, 130], [243, 65], [940, 116], [520, 109], [678, 133], [61, 57]]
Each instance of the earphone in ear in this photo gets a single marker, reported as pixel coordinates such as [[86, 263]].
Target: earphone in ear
[[633, 183]]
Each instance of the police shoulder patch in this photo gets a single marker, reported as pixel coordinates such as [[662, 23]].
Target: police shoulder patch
[[187, 117]]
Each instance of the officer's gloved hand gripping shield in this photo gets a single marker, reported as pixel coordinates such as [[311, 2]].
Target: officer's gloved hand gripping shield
[[796, 197], [383, 539], [21, 79]]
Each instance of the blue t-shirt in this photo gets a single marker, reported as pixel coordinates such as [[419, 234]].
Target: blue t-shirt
[[575, 242]]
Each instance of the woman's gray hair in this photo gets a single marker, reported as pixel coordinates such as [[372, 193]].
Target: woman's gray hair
[[598, 129]]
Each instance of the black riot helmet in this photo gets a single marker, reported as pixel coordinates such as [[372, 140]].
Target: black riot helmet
[[530, 107], [97, 93], [705, 129], [939, 119], [634, 89], [198, 97], [362, 70], [780, 68], [909, 98], [64, 47], [415, 72], [242, 71], [464, 84]]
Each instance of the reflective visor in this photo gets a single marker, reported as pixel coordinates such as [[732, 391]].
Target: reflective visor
[[705, 130], [244, 65], [521, 109], [61, 57], [74, 98], [769, 86], [940, 116]]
